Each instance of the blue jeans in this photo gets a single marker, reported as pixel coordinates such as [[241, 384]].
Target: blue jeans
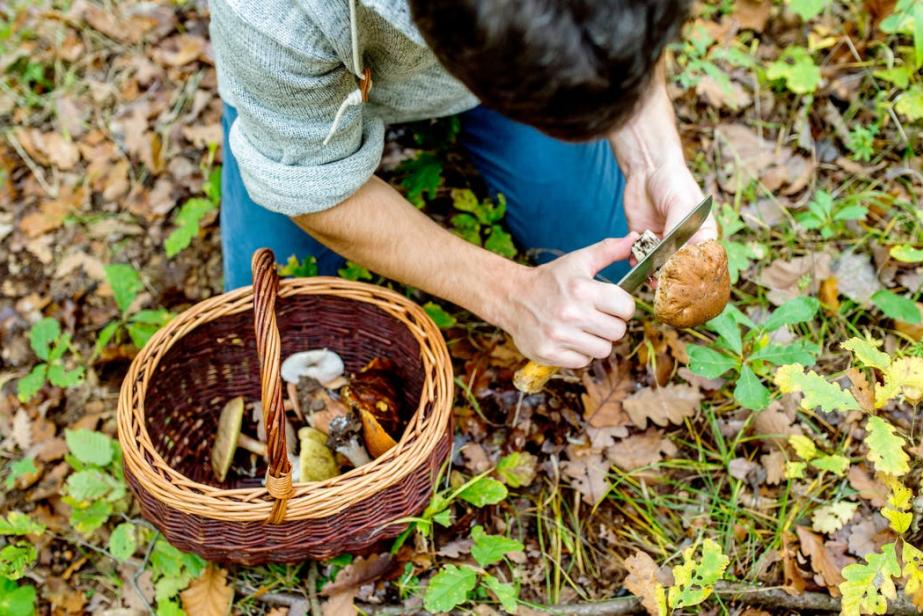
[[560, 197]]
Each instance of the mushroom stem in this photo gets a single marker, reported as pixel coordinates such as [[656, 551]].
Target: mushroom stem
[[251, 444]]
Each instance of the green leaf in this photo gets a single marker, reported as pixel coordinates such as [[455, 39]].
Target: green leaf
[[907, 253], [212, 187], [170, 608], [517, 469], [299, 269], [490, 549], [738, 258], [89, 447], [709, 363], [16, 600], [694, 580], [867, 353], [29, 385], [422, 177], [807, 9], [16, 558], [886, 449], [105, 336], [867, 587], [795, 470], [484, 491], [187, 222], [140, 333], [852, 212], [506, 593], [910, 103], [125, 283], [467, 227], [835, 464], [896, 306], [443, 518], [354, 271], [18, 523], [804, 447], [797, 352], [42, 335], [798, 310], [831, 518], [92, 517], [796, 67], [122, 541], [158, 317], [61, 377], [817, 391], [440, 317], [727, 327], [449, 588], [500, 242], [898, 75], [89, 485], [750, 392], [19, 468]]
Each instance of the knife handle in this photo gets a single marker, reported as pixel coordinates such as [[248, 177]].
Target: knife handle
[[531, 378]]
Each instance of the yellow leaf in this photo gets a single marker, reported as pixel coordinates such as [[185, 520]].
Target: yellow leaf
[[803, 446], [913, 569], [903, 377], [209, 595], [899, 520]]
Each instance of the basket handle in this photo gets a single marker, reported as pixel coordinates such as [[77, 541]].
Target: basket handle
[[269, 351]]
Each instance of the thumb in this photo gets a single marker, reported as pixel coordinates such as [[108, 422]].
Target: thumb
[[600, 255]]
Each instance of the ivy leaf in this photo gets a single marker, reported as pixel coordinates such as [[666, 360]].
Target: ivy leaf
[[886, 449], [831, 518], [797, 352], [693, 581], [490, 549], [125, 283], [750, 391], [484, 491], [866, 351], [907, 254], [42, 335], [89, 447], [440, 317], [835, 464], [449, 588], [804, 447], [866, 587], [29, 385], [16, 600], [798, 310], [709, 363], [422, 177], [506, 593], [817, 391], [897, 306], [18, 523], [122, 541]]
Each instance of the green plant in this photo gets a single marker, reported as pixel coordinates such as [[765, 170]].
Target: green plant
[[96, 489], [750, 356], [15, 559], [897, 306], [796, 70], [50, 345], [479, 222], [421, 175], [305, 268], [739, 254], [698, 55], [828, 216], [140, 325], [189, 217], [861, 142], [19, 468], [354, 271], [807, 9], [171, 571]]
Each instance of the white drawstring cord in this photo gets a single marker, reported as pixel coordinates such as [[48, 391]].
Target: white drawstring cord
[[355, 97]]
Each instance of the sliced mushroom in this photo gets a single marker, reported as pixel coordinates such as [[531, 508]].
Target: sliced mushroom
[[644, 244], [693, 286], [374, 390], [377, 440], [345, 438], [229, 438], [316, 461], [321, 364]]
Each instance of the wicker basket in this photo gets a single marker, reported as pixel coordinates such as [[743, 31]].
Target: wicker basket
[[177, 385]]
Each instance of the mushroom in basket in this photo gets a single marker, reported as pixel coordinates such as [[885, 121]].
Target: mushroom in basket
[[373, 395]]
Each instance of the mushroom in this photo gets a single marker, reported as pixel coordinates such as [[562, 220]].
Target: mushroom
[[374, 390], [644, 244], [320, 364], [315, 460], [229, 438], [693, 285], [377, 440], [313, 404], [344, 437]]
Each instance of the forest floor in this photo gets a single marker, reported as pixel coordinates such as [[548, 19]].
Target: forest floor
[[767, 463]]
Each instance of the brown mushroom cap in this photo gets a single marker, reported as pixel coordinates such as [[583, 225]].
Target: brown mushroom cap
[[693, 286], [232, 416]]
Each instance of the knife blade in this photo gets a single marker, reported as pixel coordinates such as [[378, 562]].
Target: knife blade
[[675, 239]]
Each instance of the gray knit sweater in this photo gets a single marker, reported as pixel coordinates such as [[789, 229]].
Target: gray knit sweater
[[288, 66]]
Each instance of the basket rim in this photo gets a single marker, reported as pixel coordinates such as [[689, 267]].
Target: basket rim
[[311, 500]]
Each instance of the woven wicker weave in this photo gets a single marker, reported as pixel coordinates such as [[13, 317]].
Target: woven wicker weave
[[177, 385]]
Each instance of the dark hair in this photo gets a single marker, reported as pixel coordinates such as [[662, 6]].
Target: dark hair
[[574, 69]]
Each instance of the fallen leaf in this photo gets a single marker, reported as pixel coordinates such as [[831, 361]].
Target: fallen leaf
[[52, 213], [588, 472], [729, 95], [788, 279], [79, 260], [639, 450], [643, 583], [861, 390], [739, 468], [774, 465], [868, 487], [361, 571], [209, 594], [22, 429], [822, 560], [829, 295], [914, 331], [868, 535], [203, 136], [773, 425], [341, 604], [831, 518], [745, 156], [794, 577], [856, 277], [663, 405], [180, 49], [61, 151], [752, 14], [607, 385]]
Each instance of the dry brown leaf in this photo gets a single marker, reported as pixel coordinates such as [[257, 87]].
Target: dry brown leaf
[[773, 425], [476, 459], [51, 213], [61, 151], [861, 389], [752, 14], [642, 581], [203, 136], [730, 95], [739, 468], [868, 535], [823, 560], [785, 278], [341, 603], [856, 276], [792, 574], [663, 405], [607, 385], [640, 450], [278, 611], [912, 330], [774, 465], [209, 594], [745, 156], [22, 429], [588, 472], [78, 259], [180, 49], [360, 571], [868, 487]]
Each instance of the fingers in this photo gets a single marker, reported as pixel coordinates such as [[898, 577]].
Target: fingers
[[613, 300], [606, 327], [600, 255]]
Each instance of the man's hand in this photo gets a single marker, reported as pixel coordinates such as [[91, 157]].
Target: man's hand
[[560, 316]]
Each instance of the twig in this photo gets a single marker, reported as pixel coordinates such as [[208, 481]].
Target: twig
[[140, 571], [312, 589]]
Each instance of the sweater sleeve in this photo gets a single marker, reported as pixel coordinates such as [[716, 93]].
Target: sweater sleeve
[[287, 95]]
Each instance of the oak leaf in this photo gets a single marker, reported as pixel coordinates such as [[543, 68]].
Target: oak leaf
[[823, 560], [663, 405], [639, 450], [642, 582], [209, 594], [607, 385]]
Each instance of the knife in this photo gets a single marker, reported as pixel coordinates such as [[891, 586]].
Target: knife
[[532, 377]]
